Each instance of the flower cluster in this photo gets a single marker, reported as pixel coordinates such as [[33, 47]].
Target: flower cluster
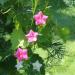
[[40, 19]]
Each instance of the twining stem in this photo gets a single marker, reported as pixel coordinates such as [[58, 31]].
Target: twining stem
[[34, 5]]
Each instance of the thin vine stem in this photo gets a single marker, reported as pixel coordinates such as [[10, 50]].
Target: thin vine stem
[[34, 6]]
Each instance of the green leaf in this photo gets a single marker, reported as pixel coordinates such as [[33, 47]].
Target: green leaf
[[42, 53], [18, 39]]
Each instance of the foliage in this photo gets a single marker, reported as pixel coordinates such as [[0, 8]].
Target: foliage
[[16, 19]]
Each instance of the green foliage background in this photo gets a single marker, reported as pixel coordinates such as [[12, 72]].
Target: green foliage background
[[16, 19]]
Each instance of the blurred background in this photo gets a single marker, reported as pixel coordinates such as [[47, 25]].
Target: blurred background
[[60, 28]]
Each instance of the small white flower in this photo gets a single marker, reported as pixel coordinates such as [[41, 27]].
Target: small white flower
[[36, 65], [19, 65]]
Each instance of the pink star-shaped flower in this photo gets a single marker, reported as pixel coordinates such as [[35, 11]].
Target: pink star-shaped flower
[[40, 18], [32, 36], [21, 54]]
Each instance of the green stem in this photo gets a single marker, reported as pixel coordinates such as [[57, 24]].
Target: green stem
[[34, 5]]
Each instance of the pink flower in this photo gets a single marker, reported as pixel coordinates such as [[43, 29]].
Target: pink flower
[[40, 18], [21, 54], [32, 36]]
